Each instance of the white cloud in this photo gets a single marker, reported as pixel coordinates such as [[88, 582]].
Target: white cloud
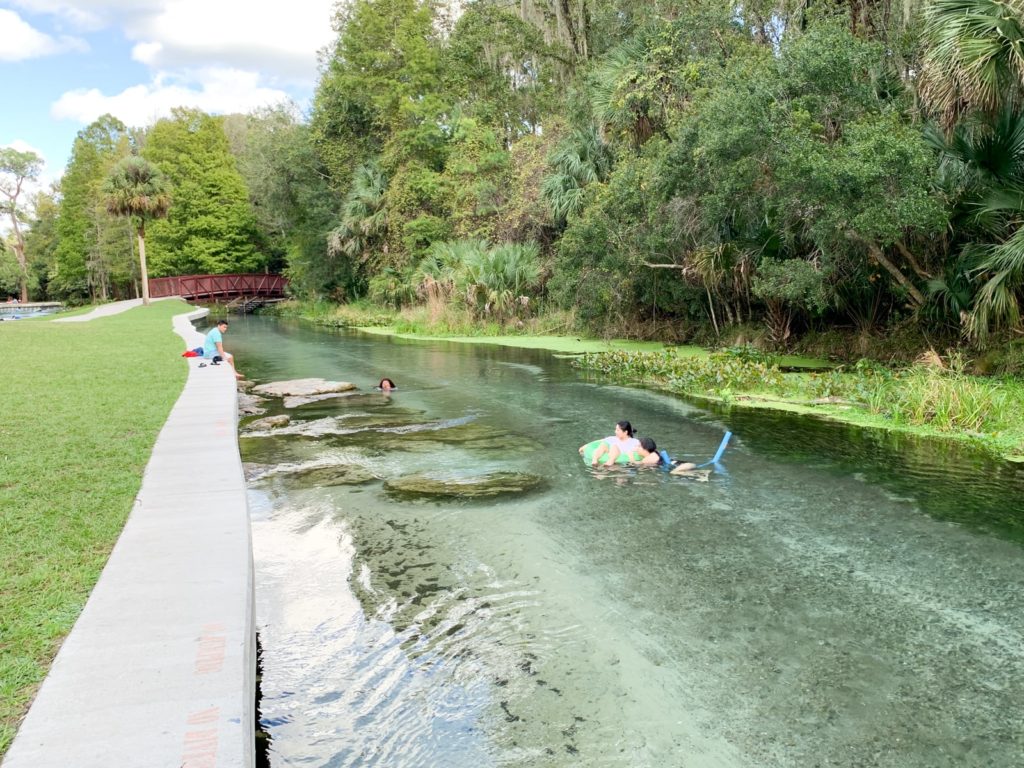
[[281, 41], [146, 53], [90, 15], [214, 90], [19, 40], [23, 146]]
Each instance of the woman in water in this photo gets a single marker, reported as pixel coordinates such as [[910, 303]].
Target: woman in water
[[386, 385], [622, 441]]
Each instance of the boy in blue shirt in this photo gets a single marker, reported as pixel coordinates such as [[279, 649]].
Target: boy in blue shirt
[[213, 346]]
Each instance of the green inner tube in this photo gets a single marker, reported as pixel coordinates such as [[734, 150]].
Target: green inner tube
[[622, 458]]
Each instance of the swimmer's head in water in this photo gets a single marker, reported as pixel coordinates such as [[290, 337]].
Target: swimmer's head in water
[[386, 384], [648, 444], [625, 428]]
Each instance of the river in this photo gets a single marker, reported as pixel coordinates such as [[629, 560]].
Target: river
[[833, 596]]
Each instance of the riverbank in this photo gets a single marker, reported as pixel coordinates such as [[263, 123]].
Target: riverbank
[[933, 398], [161, 661], [938, 399], [80, 421]]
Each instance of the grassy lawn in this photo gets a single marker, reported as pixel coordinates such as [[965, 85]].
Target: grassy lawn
[[82, 406]]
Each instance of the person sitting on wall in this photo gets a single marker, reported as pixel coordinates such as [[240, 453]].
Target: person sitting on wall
[[213, 347]]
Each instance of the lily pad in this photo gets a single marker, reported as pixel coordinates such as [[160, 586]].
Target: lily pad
[[486, 486]]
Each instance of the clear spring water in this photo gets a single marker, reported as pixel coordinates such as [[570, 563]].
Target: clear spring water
[[838, 598]]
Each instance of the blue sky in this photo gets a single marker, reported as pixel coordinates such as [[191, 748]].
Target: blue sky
[[64, 63]]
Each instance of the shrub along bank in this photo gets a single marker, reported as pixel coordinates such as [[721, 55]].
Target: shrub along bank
[[937, 398], [83, 404]]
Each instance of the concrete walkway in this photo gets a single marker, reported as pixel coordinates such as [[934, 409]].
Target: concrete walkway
[[105, 310], [159, 670]]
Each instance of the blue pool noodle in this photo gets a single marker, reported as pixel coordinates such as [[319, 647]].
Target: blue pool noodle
[[719, 452]]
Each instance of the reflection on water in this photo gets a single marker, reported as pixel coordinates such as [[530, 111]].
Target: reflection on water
[[835, 597]]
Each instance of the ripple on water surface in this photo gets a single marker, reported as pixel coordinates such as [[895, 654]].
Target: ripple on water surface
[[836, 599]]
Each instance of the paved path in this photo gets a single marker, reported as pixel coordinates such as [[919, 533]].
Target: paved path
[[159, 670], [104, 310]]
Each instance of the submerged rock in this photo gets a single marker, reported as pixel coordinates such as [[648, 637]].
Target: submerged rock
[[335, 426], [335, 474], [244, 385], [303, 387], [297, 401], [249, 405], [252, 470], [486, 486], [270, 422]]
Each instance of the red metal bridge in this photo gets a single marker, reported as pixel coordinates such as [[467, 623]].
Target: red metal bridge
[[218, 286]]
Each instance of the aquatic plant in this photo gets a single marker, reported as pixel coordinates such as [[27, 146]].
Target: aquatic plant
[[721, 373]]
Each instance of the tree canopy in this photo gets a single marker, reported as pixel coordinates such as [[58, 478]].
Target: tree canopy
[[697, 164]]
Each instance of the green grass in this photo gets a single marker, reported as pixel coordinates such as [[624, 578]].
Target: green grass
[[922, 400], [82, 406]]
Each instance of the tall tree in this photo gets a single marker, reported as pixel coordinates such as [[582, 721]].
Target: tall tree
[[87, 252], [42, 238], [212, 228], [138, 190], [381, 79], [291, 195], [17, 168]]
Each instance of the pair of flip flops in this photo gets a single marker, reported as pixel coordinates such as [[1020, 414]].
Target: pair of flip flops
[[203, 365]]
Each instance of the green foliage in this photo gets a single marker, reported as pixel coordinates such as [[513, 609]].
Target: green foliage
[[93, 256], [294, 204], [490, 281], [391, 289], [721, 373], [600, 262], [211, 228], [793, 282], [17, 169], [974, 57], [41, 243], [580, 159], [381, 79], [638, 86], [477, 175], [498, 69], [364, 219], [417, 204], [524, 215]]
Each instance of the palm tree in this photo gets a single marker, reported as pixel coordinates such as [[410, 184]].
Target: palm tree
[[580, 159], [974, 57], [363, 215], [138, 190], [982, 162]]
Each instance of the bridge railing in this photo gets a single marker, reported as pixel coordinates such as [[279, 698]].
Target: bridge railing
[[212, 286]]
